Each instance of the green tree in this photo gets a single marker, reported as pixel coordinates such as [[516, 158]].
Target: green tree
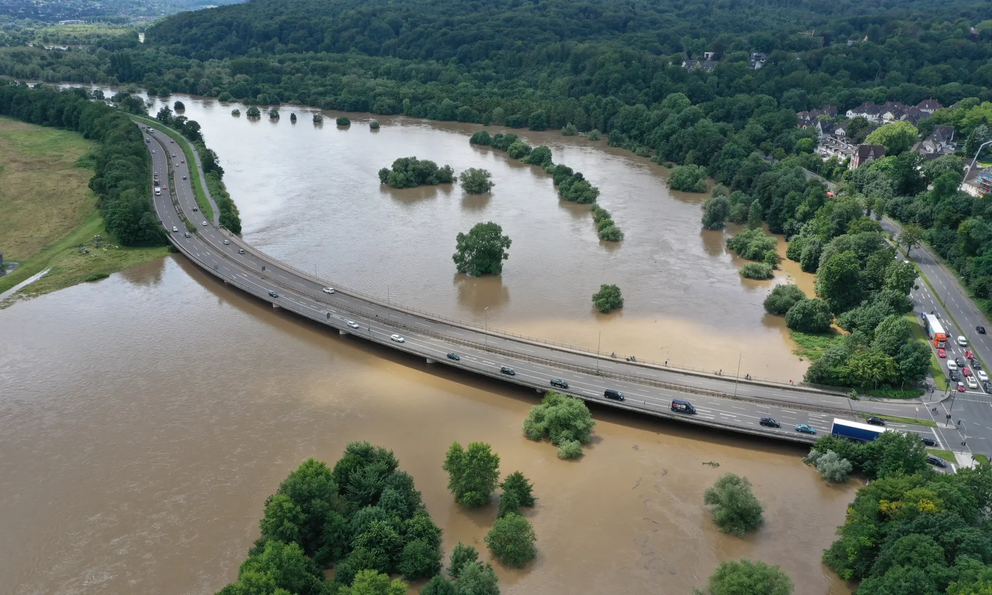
[[538, 120], [569, 129], [809, 316], [539, 156], [756, 270], [570, 449], [914, 361], [608, 298], [277, 566], [688, 178], [179, 106], [273, 114], [735, 508], [343, 121], [831, 466], [716, 211], [477, 578], [476, 181], [508, 504], [283, 520], [314, 493], [901, 276], [461, 556], [782, 298], [910, 237], [896, 137], [419, 559], [482, 250], [511, 540], [439, 585], [745, 577], [595, 135], [253, 112], [518, 150], [838, 281], [472, 473], [559, 418], [370, 582], [518, 485], [481, 137], [318, 118], [892, 333], [754, 215]]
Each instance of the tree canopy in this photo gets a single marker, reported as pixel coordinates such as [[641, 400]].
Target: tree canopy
[[482, 250]]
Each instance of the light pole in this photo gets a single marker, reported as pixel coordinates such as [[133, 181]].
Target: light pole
[[977, 153], [599, 342], [486, 311], [740, 354]]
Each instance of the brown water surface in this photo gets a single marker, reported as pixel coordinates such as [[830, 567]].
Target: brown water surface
[[146, 417]]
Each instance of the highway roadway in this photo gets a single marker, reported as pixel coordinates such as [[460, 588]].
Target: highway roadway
[[721, 402]]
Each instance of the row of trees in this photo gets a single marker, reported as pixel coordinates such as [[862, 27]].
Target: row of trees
[[910, 530], [409, 172], [364, 517], [122, 163]]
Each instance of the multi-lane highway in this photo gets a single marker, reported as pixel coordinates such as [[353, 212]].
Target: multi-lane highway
[[720, 401]]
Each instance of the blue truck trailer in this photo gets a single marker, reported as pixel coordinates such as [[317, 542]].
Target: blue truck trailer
[[855, 430]]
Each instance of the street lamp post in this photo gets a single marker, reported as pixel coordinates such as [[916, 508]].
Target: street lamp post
[[486, 310], [599, 341], [977, 153], [738, 378]]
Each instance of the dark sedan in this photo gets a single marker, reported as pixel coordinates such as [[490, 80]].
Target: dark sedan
[[929, 441], [454, 356], [980, 329], [875, 421], [936, 461], [769, 422], [559, 383]]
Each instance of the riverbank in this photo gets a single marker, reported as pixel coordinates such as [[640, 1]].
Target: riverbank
[[50, 217]]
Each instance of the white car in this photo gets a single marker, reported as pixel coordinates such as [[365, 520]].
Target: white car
[[226, 242], [972, 383], [951, 365], [397, 338], [173, 154], [203, 223], [328, 290], [982, 375], [353, 324], [174, 228], [962, 341]]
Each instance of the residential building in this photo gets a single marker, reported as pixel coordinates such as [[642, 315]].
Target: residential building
[[757, 60], [865, 154], [811, 117], [940, 142], [929, 106]]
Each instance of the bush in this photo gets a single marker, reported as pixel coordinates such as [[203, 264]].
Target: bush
[[754, 270], [292, 118], [599, 213], [831, 466], [736, 510], [476, 181], [273, 114], [343, 121], [716, 211], [236, 112], [518, 485], [782, 298], [539, 156], [608, 298], [595, 134], [749, 578], [508, 504], [481, 138], [409, 172], [374, 125], [753, 244], [688, 178], [570, 449], [610, 233], [809, 315], [511, 540], [569, 130], [318, 118], [254, 112], [559, 418], [518, 150], [502, 141], [472, 473]]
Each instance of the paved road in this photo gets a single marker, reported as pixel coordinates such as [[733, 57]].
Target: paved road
[[720, 401], [959, 317]]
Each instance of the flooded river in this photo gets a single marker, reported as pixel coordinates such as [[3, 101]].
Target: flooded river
[[146, 418]]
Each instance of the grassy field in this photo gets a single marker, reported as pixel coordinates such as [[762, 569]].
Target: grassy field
[[981, 458], [812, 347], [939, 378], [48, 210], [201, 198]]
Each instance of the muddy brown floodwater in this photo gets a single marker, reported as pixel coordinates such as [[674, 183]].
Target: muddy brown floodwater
[[146, 417]]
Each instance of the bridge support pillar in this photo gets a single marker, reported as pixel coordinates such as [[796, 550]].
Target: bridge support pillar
[[275, 306], [341, 331], [429, 360]]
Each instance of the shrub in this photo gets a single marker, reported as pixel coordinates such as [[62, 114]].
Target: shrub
[[254, 112], [409, 172], [599, 213], [749, 578], [511, 540], [831, 466], [343, 121], [273, 114], [476, 181], [716, 211], [595, 134], [753, 244], [570, 449], [569, 130], [508, 504], [236, 112], [518, 150], [755, 270], [518, 485], [559, 418], [539, 156], [481, 138], [688, 178], [318, 118], [611, 233], [374, 125], [782, 298], [608, 298], [736, 509], [809, 316]]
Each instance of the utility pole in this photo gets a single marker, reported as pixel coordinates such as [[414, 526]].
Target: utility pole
[[740, 354], [598, 343], [486, 340]]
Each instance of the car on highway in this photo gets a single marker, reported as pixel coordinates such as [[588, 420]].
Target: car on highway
[[153, 151], [559, 383], [182, 161], [203, 223], [328, 290], [184, 177], [972, 383], [188, 234], [954, 375], [273, 294], [960, 387], [875, 421], [241, 250], [962, 341], [173, 154], [195, 209], [769, 422], [683, 406], [805, 429], [454, 356], [959, 362], [982, 376], [226, 242], [952, 365], [941, 353], [172, 142], [966, 371], [969, 353], [507, 370], [975, 364], [397, 338], [936, 461], [174, 228], [613, 394], [928, 441], [352, 324], [980, 329]]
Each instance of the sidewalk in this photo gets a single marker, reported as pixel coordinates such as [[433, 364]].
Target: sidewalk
[[965, 460]]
